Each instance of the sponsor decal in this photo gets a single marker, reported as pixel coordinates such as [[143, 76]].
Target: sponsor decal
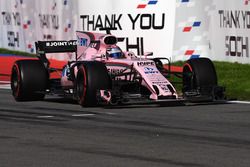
[[160, 82], [60, 43], [185, 1], [145, 63], [83, 41], [149, 70], [115, 71], [164, 87]]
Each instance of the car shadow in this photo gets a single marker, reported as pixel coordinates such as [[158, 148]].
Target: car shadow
[[136, 105], [61, 100]]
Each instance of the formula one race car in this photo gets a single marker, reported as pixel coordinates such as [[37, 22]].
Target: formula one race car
[[103, 73]]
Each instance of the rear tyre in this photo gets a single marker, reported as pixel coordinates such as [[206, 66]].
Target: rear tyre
[[199, 75], [29, 80], [91, 77]]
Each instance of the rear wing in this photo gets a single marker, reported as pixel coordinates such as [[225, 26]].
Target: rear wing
[[44, 47], [56, 46]]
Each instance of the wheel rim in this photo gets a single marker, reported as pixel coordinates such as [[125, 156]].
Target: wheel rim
[[188, 77], [15, 81], [81, 86]]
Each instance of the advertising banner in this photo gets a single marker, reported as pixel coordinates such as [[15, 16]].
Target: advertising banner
[[12, 36], [192, 29], [25, 21], [176, 29], [144, 25], [229, 31]]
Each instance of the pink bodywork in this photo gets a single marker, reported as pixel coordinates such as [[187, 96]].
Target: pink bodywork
[[86, 51]]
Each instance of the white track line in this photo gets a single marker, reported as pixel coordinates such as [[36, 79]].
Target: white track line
[[239, 102], [82, 115], [110, 113], [4, 82], [45, 116], [4, 86]]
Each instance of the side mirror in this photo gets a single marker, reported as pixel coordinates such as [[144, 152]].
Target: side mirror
[[148, 54]]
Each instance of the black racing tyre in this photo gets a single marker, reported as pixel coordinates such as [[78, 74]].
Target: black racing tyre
[[29, 80], [198, 73], [91, 77]]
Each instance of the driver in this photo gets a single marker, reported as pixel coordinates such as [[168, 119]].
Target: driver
[[115, 52]]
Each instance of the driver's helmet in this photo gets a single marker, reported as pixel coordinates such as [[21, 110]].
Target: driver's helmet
[[115, 52]]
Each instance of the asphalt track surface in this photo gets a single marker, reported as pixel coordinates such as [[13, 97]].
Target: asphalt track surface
[[60, 133]]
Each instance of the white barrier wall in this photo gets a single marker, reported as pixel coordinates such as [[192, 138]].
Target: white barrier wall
[[230, 31], [25, 21], [192, 29], [218, 29], [143, 25], [176, 29]]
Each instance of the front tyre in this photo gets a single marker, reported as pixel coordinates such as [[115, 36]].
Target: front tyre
[[200, 79], [91, 77]]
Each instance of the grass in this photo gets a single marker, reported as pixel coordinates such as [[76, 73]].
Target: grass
[[233, 76], [6, 51]]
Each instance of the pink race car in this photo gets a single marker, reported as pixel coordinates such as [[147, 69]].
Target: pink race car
[[103, 73]]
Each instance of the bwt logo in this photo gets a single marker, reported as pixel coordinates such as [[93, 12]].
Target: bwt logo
[[83, 41], [146, 3], [246, 2], [184, 1], [148, 69]]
